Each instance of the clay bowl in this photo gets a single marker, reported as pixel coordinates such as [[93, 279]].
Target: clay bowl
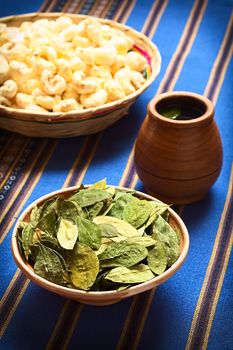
[[179, 160], [99, 298]]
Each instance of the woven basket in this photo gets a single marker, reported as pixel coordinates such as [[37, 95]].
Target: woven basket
[[87, 121]]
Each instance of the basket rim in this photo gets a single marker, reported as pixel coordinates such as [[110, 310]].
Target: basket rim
[[64, 119], [21, 114]]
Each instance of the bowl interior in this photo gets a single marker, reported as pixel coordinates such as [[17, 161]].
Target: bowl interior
[[103, 297]]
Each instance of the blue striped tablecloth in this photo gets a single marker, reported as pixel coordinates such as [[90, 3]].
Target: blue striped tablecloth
[[193, 310]]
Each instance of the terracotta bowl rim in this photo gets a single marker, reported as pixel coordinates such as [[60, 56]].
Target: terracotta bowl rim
[[90, 295], [204, 118]]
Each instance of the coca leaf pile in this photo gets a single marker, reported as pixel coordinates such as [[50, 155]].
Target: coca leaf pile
[[100, 238]]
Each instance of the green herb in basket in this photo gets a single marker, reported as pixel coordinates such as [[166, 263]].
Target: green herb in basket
[[100, 238]]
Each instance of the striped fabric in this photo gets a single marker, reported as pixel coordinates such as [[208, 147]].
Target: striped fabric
[[192, 310]]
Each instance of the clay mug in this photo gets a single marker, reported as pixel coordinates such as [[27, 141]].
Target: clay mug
[[179, 160]]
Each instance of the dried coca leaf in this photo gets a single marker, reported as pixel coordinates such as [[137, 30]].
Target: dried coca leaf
[[70, 210], [48, 223], [137, 213], [157, 258], [145, 241], [123, 227], [89, 233], [163, 232], [137, 274], [47, 207], [52, 242], [27, 239], [83, 266], [48, 265], [158, 208], [90, 196], [108, 230], [67, 234], [121, 200], [100, 185], [35, 216], [94, 210], [122, 254], [111, 190]]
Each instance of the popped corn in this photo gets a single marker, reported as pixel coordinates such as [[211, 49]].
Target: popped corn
[[59, 66]]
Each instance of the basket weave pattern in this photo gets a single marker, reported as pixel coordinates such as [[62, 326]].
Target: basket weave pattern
[[87, 121]]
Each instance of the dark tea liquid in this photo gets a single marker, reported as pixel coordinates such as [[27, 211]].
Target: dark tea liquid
[[180, 110]]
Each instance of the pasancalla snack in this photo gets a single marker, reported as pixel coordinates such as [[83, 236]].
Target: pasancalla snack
[[99, 238], [60, 66]]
